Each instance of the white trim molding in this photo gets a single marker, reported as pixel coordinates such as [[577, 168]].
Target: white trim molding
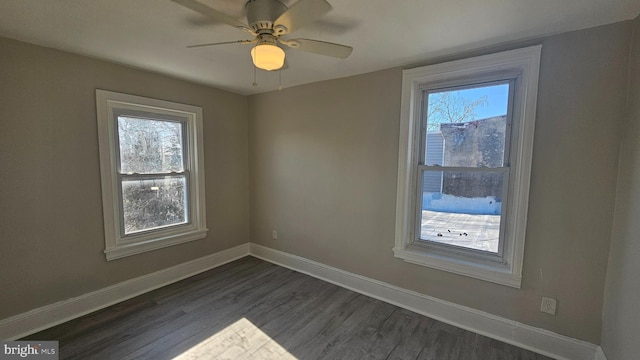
[[528, 337], [111, 106], [520, 68], [47, 316], [600, 355]]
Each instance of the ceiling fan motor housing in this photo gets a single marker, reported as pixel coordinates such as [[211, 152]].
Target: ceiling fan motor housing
[[261, 15]]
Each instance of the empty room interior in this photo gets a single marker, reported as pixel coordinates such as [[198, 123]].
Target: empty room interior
[[321, 179]]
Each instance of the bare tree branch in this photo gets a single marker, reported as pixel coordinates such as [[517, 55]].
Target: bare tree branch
[[450, 107]]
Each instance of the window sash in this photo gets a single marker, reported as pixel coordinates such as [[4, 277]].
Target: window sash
[[470, 83], [187, 202], [122, 177], [479, 82], [461, 250], [186, 161]]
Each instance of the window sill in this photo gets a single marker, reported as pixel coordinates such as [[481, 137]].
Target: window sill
[[496, 273], [124, 250]]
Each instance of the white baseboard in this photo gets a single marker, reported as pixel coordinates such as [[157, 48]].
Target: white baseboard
[[600, 354], [44, 317], [512, 332], [528, 337]]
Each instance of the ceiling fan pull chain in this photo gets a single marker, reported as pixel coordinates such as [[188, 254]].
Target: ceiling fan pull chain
[[255, 82], [280, 79]]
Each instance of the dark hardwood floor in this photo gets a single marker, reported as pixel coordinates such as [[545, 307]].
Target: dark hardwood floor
[[251, 309]]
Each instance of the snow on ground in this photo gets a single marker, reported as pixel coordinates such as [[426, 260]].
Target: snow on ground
[[482, 231]]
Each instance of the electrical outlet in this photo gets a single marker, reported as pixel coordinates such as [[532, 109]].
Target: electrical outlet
[[274, 234], [548, 305]]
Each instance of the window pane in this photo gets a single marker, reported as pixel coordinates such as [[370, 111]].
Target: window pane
[[467, 127], [462, 208], [149, 146], [150, 204]]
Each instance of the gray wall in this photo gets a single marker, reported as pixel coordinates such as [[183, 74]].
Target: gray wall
[[323, 164], [621, 315], [51, 228]]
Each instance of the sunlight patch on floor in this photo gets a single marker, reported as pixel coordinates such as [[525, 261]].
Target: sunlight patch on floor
[[240, 340]]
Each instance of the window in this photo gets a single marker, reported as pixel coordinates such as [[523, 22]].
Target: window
[[466, 141], [152, 172]]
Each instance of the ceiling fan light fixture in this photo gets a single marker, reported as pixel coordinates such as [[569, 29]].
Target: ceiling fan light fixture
[[267, 56]]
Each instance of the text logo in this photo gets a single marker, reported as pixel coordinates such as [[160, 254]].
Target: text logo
[[29, 350]]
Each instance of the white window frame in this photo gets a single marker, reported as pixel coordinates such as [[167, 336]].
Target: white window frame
[[522, 67], [111, 104]]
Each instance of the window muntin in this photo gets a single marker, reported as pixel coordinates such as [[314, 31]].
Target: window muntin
[[152, 171], [463, 170]]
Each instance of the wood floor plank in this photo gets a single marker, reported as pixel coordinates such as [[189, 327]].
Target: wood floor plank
[[251, 309], [204, 318]]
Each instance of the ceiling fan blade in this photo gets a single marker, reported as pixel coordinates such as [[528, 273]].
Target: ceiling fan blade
[[319, 47], [214, 14], [223, 43], [301, 13]]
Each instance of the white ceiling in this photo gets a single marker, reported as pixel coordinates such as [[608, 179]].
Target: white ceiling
[[152, 34]]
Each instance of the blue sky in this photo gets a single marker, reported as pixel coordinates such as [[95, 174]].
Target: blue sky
[[497, 96]]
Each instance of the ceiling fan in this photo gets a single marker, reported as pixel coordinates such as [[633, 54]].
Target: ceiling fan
[[267, 21]]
